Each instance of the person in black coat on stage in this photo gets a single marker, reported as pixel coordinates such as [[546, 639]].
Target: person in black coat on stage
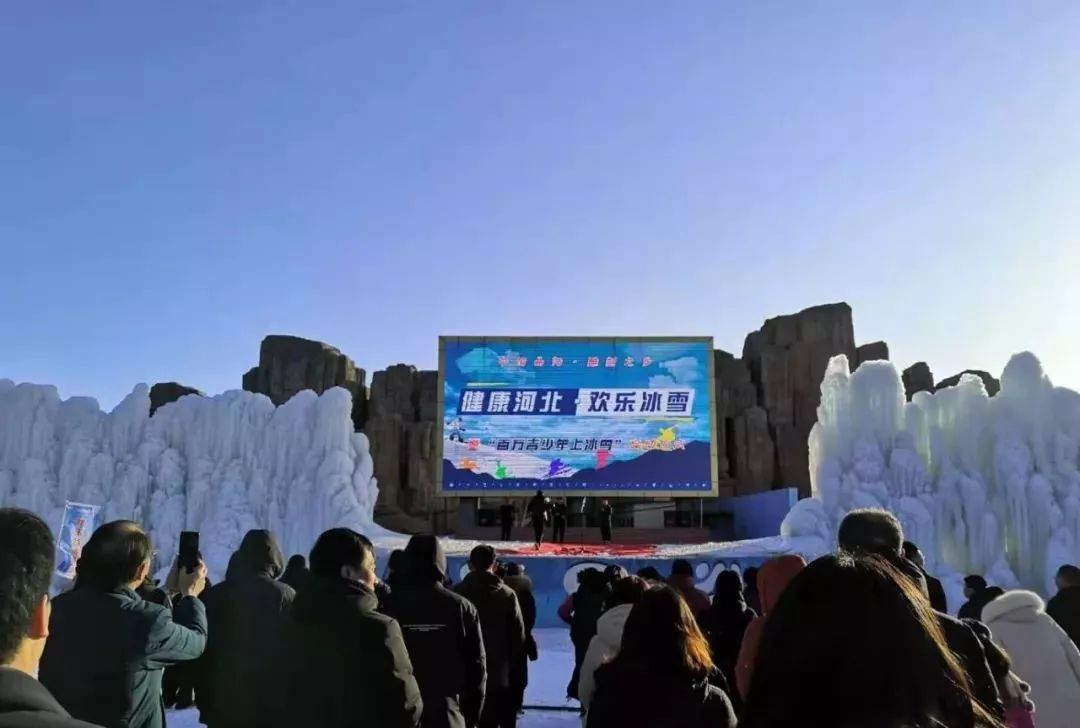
[[27, 554], [503, 629], [663, 674], [107, 646], [342, 663], [523, 587], [558, 521], [296, 572], [442, 633], [506, 520], [934, 589], [1064, 607], [246, 617], [539, 512], [604, 516]]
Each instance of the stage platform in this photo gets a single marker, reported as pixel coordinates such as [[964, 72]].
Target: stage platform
[[554, 568]]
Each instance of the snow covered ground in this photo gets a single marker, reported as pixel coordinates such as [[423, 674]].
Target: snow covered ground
[[547, 686]]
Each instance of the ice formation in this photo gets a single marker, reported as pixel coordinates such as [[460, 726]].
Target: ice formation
[[984, 485], [218, 465]]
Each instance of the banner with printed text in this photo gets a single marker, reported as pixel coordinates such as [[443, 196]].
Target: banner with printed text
[[580, 416]]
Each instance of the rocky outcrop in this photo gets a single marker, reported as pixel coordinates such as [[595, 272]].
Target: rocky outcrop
[[403, 429], [918, 378], [735, 393], [289, 364], [787, 359], [163, 393], [753, 459], [993, 386], [877, 351]]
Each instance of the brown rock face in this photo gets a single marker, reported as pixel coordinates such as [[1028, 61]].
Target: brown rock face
[[918, 378], [993, 386], [403, 430], [877, 351], [735, 392], [163, 393], [289, 364], [787, 359], [753, 456]]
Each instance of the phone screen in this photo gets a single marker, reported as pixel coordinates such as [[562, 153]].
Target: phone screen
[[189, 550]]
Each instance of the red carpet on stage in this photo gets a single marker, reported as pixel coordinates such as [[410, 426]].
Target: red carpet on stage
[[581, 549]]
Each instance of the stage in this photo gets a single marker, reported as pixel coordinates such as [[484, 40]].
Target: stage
[[554, 568]]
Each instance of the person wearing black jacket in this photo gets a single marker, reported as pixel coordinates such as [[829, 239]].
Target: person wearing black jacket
[[879, 532], [506, 520], [27, 553], [107, 646], [934, 589], [539, 512], [975, 589], [442, 634], [604, 515], [296, 572], [246, 616], [342, 663], [558, 522], [503, 629], [1064, 607], [523, 587]]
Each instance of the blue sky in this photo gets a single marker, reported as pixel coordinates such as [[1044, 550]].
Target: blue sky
[[178, 180]]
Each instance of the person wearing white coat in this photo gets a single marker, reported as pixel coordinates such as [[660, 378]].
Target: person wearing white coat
[[604, 646], [1042, 655]]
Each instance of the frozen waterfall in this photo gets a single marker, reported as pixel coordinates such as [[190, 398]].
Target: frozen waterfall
[[984, 485], [219, 465]]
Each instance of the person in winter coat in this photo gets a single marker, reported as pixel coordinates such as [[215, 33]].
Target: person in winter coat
[[523, 587], [503, 629], [342, 663], [975, 589], [753, 599], [27, 553], [934, 588], [107, 646], [625, 593], [853, 643], [682, 581], [539, 511], [246, 617], [663, 674], [506, 520], [1015, 693], [1064, 607], [296, 572], [725, 624], [773, 577], [581, 611], [876, 531], [1042, 654], [604, 516], [558, 522], [442, 633]]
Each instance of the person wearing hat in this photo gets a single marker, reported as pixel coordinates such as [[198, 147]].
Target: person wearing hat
[[442, 634], [503, 628]]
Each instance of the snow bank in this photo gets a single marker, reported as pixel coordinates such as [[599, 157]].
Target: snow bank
[[219, 465], [984, 486]]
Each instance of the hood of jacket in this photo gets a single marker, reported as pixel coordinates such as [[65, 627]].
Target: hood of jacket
[[774, 576], [425, 560], [1014, 606], [609, 628], [324, 597], [258, 555], [519, 584], [481, 581]]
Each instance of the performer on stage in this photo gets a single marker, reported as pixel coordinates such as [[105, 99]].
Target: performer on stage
[[539, 510], [506, 519], [605, 521], [558, 521]]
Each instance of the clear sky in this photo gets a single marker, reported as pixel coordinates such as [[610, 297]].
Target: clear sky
[[179, 179]]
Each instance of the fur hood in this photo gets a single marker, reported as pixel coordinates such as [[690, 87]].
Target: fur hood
[[1014, 606]]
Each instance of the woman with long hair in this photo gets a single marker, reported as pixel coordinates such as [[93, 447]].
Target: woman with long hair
[[852, 643], [663, 675]]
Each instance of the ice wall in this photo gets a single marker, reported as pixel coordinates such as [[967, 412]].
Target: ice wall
[[219, 465], [984, 486]]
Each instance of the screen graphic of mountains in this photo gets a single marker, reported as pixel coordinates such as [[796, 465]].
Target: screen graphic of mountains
[[689, 465]]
